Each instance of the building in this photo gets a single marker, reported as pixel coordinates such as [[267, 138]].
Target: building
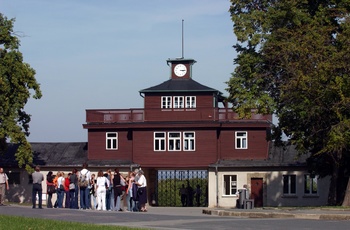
[[186, 134]]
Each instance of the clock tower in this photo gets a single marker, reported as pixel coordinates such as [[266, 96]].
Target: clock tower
[[180, 68]]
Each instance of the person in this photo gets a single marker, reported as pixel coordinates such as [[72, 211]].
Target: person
[[85, 185], [4, 185], [56, 187], [38, 178], [73, 192], [142, 190], [66, 190], [198, 195], [102, 183], [130, 203], [183, 195], [60, 189], [117, 187], [108, 190], [50, 189], [93, 193], [189, 195]]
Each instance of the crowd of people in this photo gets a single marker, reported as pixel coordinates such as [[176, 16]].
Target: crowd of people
[[106, 191]]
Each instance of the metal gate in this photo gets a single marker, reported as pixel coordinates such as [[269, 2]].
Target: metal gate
[[169, 183]]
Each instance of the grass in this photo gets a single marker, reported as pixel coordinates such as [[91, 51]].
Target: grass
[[25, 223]]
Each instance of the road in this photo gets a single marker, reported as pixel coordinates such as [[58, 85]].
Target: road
[[170, 218]]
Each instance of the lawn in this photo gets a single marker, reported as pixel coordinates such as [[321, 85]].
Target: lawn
[[25, 223]]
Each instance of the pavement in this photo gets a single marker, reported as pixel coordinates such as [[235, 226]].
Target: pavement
[[311, 213], [295, 212]]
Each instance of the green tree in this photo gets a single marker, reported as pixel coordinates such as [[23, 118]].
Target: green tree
[[16, 83], [293, 61]]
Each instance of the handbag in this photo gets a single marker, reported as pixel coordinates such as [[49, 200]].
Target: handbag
[[62, 187], [51, 189], [71, 186]]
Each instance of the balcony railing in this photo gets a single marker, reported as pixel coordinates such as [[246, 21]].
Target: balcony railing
[[142, 115]]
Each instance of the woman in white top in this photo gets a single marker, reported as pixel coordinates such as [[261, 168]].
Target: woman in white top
[[101, 190], [60, 190], [142, 190]]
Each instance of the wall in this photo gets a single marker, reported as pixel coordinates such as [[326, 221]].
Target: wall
[[273, 190]]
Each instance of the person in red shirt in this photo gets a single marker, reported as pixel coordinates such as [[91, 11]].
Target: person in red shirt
[[66, 190]]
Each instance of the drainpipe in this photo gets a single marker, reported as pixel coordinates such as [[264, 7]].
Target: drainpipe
[[217, 185]]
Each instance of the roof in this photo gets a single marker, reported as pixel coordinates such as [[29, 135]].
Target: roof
[[60, 154], [180, 85], [277, 157]]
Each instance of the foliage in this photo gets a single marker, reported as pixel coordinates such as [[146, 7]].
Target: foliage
[[293, 61], [14, 222], [16, 82], [168, 191]]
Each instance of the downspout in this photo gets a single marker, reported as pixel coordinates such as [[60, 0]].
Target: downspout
[[217, 185]]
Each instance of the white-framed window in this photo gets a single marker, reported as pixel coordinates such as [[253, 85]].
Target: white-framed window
[[289, 184], [230, 185], [178, 102], [174, 141], [241, 140], [159, 141], [111, 141], [310, 184], [166, 102], [190, 102], [189, 141]]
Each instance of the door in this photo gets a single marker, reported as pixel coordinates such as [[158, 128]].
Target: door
[[257, 191]]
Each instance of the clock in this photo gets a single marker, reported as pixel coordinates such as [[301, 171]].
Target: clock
[[180, 70]]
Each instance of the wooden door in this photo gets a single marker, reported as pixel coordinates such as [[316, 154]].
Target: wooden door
[[257, 191]]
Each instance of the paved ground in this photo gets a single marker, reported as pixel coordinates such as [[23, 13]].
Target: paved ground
[[196, 218], [298, 213]]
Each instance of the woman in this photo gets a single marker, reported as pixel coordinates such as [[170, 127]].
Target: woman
[[117, 189], [60, 190], [93, 193], [101, 183], [50, 189], [142, 190], [66, 190], [129, 198]]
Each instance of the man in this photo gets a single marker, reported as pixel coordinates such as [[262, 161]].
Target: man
[[38, 178], [85, 185], [4, 184]]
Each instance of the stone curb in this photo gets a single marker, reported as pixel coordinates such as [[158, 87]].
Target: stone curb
[[252, 214]]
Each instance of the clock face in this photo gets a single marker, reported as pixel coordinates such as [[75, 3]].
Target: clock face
[[180, 70]]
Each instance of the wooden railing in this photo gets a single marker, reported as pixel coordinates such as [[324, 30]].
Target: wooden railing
[[142, 115]]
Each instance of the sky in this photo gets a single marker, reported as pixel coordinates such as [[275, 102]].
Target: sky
[[91, 54]]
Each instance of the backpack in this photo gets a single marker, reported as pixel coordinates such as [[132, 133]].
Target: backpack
[[83, 181]]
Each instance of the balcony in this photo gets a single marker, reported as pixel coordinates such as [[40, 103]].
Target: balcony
[[144, 115]]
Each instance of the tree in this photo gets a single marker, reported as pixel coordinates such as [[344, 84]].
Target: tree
[[16, 83], [293, 61]]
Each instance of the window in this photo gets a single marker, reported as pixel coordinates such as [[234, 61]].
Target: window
[[178, 102], [111, 141], [189, 141], [166, 102], [289, 184], [230, 185], [190, 102], [159, 141], [241, 139], [310, 185], [174, 141]]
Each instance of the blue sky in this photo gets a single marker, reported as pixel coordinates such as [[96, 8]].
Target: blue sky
[[91, 54]]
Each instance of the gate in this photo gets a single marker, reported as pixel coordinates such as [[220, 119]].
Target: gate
[[169, 183]]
